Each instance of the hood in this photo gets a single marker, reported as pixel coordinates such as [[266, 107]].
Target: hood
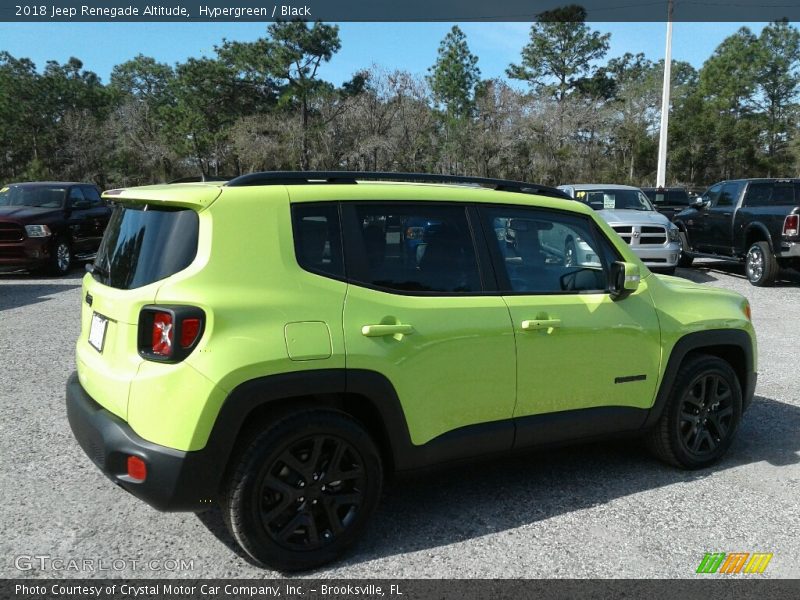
[[681, 284], [27, 214], [633, 217]]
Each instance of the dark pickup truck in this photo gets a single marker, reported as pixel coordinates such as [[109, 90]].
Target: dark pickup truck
[[755, 221], [49, 225], [668, 201]]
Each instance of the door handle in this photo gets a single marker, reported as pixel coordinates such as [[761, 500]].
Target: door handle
[[538, 324], [380, 330]]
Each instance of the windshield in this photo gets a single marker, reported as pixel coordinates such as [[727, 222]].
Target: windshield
[[41, 196], [143, 244], [601, 199]]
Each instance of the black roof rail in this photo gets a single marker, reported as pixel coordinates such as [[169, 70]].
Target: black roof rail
[[350, 177], [199, 179]]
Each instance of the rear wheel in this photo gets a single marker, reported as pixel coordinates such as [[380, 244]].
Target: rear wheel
[[760, 265], [701, 416], [302, 491]]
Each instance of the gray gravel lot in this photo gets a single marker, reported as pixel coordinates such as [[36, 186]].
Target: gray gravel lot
[[604, 510]]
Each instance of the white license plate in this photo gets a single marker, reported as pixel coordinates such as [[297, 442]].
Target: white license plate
[[97, 332]]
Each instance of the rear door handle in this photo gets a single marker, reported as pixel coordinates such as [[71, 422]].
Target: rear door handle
[[539, 324], [380, 330]]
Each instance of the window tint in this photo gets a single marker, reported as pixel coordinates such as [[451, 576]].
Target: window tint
[[143, 244], [728, 194], [712, 194], [548, 252], [678, 198], [763, 193], [76, 195], [417, 248], [91, 194], [317, 239]]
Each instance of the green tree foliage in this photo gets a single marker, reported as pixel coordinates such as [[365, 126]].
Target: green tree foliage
[[454, 76], [560, 53], [262, 104]]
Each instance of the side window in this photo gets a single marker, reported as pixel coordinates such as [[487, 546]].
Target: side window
[[712, 194], [766, 193], [75, 195], [679, 198], [317, 238], [548, 252], [727, 196], [91, 194], [416, 248]]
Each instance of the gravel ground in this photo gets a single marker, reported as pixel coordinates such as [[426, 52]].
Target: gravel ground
[[604, 510]]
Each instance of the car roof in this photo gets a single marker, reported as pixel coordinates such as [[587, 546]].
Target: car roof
[[203, 194], [597, 186]]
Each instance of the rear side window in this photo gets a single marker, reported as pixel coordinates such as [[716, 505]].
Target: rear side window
[[767, 193], [143, 244], [678, 198], [416, 248], [317, 238]]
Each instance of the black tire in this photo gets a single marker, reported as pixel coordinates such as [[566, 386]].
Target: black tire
[[287, 505], [60, 257], [760, 265], [701, 416], [686, 259], [665, 271]]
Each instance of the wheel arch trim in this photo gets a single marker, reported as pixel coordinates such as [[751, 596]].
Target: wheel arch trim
[[712, 341]]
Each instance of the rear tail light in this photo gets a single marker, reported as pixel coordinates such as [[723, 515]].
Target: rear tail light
[[169, 333], [137, 468], [791, 225]]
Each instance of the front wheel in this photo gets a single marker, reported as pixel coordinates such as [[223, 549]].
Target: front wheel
[[760, 265], [685, 259], [702, 413], [61, 258], [302, 491]]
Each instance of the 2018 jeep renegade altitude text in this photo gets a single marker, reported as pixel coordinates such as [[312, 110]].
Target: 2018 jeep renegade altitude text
[[277, 345]]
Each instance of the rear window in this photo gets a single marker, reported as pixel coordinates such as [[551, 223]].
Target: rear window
[[767, 193], [143, 244]]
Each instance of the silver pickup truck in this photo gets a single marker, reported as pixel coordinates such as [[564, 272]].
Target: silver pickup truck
[[629, 212]]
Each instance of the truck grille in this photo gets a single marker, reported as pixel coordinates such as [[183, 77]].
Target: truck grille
[[11, 232], [642, 235]]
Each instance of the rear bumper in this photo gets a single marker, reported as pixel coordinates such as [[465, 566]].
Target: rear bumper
[[789, 250], [176, 480]]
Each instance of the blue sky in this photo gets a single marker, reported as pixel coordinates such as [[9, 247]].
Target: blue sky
[[409, 46]]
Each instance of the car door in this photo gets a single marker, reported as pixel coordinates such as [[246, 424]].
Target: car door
[[719, 219], [699, 224], [79, 221], [98, 214], [419, 315], [577, 347]]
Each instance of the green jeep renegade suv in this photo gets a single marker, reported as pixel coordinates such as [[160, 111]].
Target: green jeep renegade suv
[[280, 343]]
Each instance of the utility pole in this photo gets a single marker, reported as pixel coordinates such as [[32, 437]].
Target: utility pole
[[662, 139]]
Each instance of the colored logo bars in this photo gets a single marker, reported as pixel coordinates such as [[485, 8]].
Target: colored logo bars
[[734, 562]]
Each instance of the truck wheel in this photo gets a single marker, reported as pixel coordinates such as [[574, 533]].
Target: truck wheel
[[702, 413], [686, 259], [760, 265], [570, 254], [302, 490], [61, 257]]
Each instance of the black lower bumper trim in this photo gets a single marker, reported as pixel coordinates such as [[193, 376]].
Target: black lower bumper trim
[[176, 480]]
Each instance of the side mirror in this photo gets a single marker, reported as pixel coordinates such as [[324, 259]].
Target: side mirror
[[699, 203], [623, 279], [80, 204]]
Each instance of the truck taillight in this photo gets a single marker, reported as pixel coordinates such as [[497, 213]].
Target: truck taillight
[[169, 333], [791, 225]]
